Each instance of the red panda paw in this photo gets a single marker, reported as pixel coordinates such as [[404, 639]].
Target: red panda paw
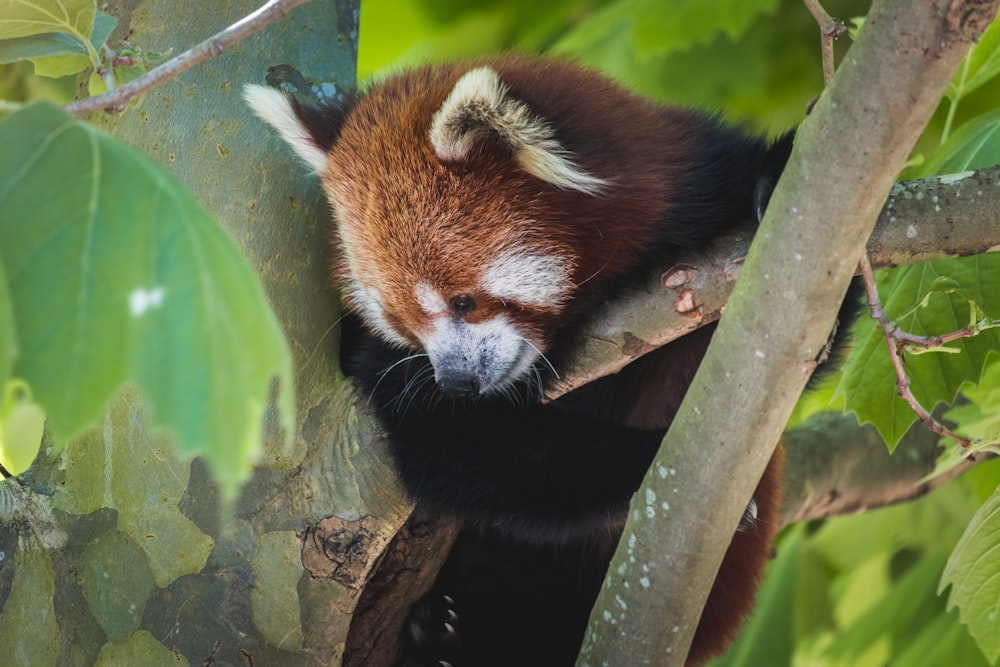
[[432, 633]]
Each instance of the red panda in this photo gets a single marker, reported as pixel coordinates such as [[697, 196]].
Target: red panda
[[483, 211]]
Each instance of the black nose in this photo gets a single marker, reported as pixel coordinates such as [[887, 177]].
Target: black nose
[[457, 385]]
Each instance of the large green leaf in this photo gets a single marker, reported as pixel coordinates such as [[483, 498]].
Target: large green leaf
[[118, 275], [20, 18], [974, 146], [8, 338], [869, 381], [981, 64], [60, 37], [973, 572]]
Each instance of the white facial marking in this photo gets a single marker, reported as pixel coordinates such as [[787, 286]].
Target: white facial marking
[[429, 299], [367, 302], [480, 103], [274, 107], [527, 277]]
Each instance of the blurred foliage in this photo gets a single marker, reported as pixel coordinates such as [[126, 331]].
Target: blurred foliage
[[756, 60], [862, 590]]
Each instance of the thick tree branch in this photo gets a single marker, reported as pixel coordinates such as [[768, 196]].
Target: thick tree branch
[[922, 220], [834, 467], [841, 172]]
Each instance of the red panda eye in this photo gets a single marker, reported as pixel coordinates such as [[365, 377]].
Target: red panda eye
[[462, 305]]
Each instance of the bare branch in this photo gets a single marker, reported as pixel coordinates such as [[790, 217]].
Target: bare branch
[[830, 29], [114, 101], [835, 467]]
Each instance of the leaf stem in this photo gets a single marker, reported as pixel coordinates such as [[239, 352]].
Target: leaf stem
[[896, 339]]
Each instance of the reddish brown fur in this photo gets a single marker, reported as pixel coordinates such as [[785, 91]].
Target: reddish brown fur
[[423, 218]]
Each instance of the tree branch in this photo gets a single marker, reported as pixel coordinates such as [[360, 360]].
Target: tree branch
[[922, 220], [830, 29], [114, 101], [835, 467], [846, 157]]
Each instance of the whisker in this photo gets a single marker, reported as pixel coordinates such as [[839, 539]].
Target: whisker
[[412, 388], [548, 364], [382, 375]]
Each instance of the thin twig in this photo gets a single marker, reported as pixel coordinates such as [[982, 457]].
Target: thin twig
[[895, 338], [114, 101], [830, 29]]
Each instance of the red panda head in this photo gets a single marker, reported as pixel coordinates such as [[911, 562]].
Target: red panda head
[[465, 225]]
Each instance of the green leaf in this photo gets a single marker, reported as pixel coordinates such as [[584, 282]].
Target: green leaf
[[56, 34], [34, 17], [118, 275], [657, 28], [21, 425], [900, 612], [975, 145], [869, 382], [40, 46], [64, 65], [979, 418], [943, 641], [56, 43], [8, 337], [767, 636], [973, 572], [981, 64]]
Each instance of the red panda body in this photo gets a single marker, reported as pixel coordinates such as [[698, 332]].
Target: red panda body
[[483, 211]]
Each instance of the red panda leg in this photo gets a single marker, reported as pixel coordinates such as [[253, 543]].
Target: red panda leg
[[732, 595]]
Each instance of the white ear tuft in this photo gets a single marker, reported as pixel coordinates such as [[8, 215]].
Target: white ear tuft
[[276, 108], [480, 105]]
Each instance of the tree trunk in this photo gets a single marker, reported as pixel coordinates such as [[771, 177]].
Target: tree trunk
[[143, 560]]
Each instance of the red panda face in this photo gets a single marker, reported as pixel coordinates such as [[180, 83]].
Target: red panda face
[[463, 225], [450, 257]]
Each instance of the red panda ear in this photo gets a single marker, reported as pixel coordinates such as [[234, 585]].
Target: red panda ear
[[310, 130], [480, 108]]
